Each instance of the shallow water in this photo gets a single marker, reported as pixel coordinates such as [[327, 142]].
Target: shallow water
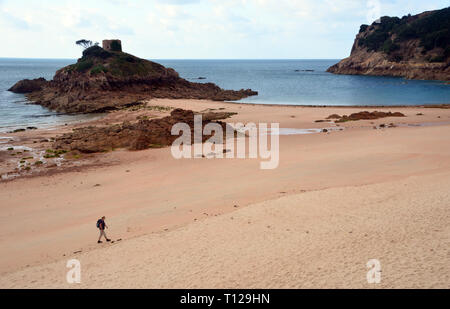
[[15, 110], [290, 131], [294, 82]]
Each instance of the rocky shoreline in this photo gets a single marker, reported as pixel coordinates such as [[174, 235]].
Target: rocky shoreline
[[413, 47], [103, 80], [374, 64]]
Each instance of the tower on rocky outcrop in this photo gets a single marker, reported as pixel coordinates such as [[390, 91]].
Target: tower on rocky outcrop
[[112, 45]]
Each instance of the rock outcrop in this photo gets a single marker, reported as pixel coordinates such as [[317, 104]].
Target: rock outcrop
[[365, 116], [413, 47], [144, 134], [106, 80], [29, 86]]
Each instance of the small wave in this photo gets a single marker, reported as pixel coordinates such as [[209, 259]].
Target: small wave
[[16, 148], [42, 115], [288, 131], [5, 139]]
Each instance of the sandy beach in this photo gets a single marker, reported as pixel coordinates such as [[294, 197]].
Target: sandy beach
[[336, 201]]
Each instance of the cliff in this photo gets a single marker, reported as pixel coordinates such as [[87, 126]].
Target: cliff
[[105, 80], [413, 47]]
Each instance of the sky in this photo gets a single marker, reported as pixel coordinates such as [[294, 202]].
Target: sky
[[195, 29]]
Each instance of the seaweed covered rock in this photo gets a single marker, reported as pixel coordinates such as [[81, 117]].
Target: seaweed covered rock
[[144, 134], [365, 116]]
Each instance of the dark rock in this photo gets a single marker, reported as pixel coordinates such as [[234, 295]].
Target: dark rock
[[368, 116], [28, 86], [334, 116], [144, 134]]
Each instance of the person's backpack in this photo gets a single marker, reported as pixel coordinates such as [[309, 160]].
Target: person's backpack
[[99, 223]]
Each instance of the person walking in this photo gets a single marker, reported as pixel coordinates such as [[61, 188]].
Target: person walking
[[101, 225]]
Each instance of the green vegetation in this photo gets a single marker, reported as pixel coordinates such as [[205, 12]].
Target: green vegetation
[[96, 60], [54, 153], [99, 69], [363, 28], [155, 146], [125, 65], [86, 43], [96, 52], [433, 31], [81, 66], [159, 108], [389, 46]]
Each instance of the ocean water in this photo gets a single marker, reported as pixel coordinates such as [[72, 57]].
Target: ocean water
[[15, 110], [277, 81]]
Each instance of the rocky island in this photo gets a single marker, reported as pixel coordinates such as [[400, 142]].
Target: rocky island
[[107, 79], [413, 47]]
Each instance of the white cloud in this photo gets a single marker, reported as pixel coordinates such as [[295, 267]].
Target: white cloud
[[192, 28]]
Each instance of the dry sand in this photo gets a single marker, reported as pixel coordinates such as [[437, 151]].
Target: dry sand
[[336, 201]]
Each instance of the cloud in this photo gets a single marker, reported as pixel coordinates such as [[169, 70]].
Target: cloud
[[193, 28], [178, 2], [13, 21]]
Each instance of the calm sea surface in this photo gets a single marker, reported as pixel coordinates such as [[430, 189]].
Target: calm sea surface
[[296, 82]]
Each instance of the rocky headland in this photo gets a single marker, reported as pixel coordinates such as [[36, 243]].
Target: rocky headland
[[105, 79], [413, 47]]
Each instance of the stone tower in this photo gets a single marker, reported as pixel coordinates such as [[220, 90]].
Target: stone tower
[[112, 45]]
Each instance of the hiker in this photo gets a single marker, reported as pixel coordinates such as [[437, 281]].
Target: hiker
[[101, 225]]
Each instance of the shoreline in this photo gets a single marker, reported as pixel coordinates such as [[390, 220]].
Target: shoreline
[[56, 126], [149, 194], [443, 106], [41, 138]]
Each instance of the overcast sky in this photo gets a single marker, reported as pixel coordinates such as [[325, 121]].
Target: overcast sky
[[195, 29]]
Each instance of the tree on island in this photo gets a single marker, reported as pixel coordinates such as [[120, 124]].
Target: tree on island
[[86, 43]]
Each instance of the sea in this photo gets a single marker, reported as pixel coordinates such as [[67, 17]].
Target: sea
[[283, 82]]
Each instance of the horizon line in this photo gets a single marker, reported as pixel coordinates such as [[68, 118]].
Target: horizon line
[[254, 59]]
